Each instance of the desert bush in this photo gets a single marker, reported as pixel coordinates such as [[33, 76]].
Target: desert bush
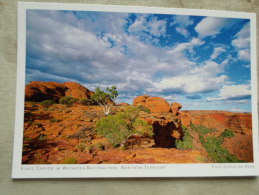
[[47, 103], [144, 109], [67, 100], [187, 142], [227, 133], [201, 129], [86, 102], [118, 127], [213, 145], [69, 160]]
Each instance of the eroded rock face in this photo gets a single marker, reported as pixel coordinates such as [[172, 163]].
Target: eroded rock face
[[220, 120], [77, 91], [167, 129], [154, 104], [39, 91]]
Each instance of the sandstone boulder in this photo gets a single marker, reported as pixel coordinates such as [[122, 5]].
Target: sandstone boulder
[[39, 91], [157, 104], [140, 100], [77, 91], [175, 108], [154, 104]]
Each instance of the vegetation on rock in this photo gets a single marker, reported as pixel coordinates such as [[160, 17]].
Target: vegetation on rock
[[187, 142], [68, 100], [227, 133], [117, 128], [213, 145]]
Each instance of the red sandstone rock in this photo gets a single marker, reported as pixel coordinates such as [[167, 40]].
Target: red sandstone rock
[[140, 100], [123, 104], [175, 108], [154, 104], [185, 119], [157, 104], [40, 91], [77, 91]]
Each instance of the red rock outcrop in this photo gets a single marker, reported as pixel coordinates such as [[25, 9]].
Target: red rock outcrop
[[154, 104], [220, 120], [77, 91], [39, 91], [123, 104]]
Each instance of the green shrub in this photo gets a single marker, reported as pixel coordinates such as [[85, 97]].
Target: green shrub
[[67, 100], [187, 142], [69, 160], [47, 103], [213, 145], [144, 109], [227, 133], [201, 129], [86, 102], [117, 128]]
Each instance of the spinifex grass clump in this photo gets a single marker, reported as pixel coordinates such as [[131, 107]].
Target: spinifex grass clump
[[117, 128], [187, 142]]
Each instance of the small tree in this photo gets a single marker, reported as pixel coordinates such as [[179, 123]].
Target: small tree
[[105, 99]]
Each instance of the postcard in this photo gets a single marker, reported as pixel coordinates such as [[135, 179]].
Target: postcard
[[125, 91]]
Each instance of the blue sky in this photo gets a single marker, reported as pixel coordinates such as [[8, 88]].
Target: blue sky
[[201, 62]]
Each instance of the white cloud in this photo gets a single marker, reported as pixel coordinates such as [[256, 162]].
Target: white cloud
[[183, 21], [242, 38], [237, 110], [211, 26], [216, 52], [233, 92], [182, 31], [242, 43], [244, 54], [154, 27]]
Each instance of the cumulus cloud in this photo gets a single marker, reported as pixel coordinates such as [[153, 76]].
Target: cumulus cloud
[[211, 26], [233, 92], [182, 22], [242, 43], [104, 49], [152, 26], [217, 51]]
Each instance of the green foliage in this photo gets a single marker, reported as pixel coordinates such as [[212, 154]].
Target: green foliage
[[117, 128], [201, 129], [213, 146], [86, 102], [47, 103], [68, 100], [102, 98], [187, 142], [53, 120], [144, 109], [69, 160], [227, 133]]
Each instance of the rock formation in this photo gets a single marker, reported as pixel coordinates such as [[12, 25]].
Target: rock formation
[[39, 91], [154, 104]]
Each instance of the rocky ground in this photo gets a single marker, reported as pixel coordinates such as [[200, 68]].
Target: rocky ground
[[65, 134]]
